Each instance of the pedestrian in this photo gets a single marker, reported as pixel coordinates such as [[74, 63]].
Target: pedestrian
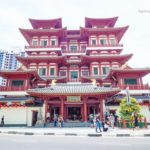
[[112, 120], [2, 121], [55, 120], [91, 119], [60, 121], [98, 125], [106, 127], [116, 120], [136, 122]]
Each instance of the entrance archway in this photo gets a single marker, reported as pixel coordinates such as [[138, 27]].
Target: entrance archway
[[74, 114]]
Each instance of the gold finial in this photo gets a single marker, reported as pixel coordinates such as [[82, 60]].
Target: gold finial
[[53, 83], [93, 81]]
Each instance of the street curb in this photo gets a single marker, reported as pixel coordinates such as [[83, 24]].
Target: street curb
[[122, 135], [94, 135], [29, 133], [75, 134], [70, 134], [49, 134], [146, 135]]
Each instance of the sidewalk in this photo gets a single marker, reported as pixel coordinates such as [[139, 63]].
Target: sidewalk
[[76, 132]]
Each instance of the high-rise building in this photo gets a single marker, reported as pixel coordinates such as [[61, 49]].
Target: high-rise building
[[8, 61], [72, 73]]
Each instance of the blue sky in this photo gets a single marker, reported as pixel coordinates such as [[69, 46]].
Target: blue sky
[[135, 13]]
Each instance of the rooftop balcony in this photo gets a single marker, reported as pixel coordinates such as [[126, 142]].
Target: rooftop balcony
[[135, 87]]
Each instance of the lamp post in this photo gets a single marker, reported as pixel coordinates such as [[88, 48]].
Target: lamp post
[[127, 95]]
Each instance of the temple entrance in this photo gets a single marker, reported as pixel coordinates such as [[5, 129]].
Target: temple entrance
[[55, 111], [74, 114]]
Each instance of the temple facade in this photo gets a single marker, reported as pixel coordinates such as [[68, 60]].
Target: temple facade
[[72, 73]]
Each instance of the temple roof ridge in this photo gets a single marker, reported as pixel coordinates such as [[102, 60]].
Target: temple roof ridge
[[46, 23], [89, 22]]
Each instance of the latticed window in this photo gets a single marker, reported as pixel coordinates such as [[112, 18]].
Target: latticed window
[[52, 71], [105, 70], [93, 41], [103, 41], [53, 42], [130, 81], [74, 74], [34, 43], [73, 48], [62, 73], [17, 82], [44, 43], [42, 71], [85, 73], [112, 41], [95, 70]]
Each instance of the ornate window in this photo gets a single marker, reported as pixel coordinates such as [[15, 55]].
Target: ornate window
[[44, 43], [130, 81], [95, 70], [74, 74], [17, 82], [52, 71], [73, 48], [42, 71], [105, 70]]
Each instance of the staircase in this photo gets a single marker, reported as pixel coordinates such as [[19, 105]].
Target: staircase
[[71, 124]]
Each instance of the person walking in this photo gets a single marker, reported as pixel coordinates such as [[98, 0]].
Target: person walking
[[55, 120], [91, 119], [98, 125], [112, 120], [2, 121], [136, 122]]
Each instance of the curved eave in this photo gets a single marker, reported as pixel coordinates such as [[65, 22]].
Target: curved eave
[[29, 33], [24, 60], [41, 94], [139, 72], [120, 58], [36, 23], [6, 73], [101, 21], [119, 31]]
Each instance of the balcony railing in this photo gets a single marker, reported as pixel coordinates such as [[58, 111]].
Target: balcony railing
[[74, 80], [28, 47], [78, 51], [12, 88], [136, 87], [106, 45]]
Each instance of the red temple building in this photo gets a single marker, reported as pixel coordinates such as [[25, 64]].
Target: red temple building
[[72, 73]]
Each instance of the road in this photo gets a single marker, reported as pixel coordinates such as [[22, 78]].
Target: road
[[51, 142]]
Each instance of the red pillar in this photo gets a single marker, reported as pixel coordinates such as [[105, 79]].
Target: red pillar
[[101, 110], [46, 108], [85, 109], [62, 107]]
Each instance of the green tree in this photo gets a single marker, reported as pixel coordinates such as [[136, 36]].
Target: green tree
[[126, 110]]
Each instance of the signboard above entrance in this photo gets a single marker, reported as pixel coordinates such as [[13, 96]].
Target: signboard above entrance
[[73, 98]]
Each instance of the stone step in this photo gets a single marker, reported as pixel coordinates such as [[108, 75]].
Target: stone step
[[71, 124]]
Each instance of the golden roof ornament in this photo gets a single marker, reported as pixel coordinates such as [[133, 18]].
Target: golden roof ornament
[[93, 81], [53, 82]]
